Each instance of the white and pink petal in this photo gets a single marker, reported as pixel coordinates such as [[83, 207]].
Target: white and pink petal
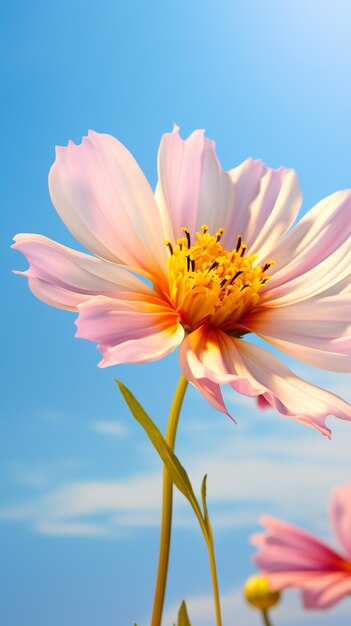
[[192, 189], [315, 255], [65, 278], [213, 355], [129, 331], [329, 277], [194, 370], [104, 199], [286, 392], [267, 202], [316, 331]]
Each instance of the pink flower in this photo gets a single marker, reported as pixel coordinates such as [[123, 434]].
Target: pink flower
[[222, 260], [291, 557]]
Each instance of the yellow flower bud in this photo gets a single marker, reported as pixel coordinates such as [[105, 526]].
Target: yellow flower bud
[[258, 594]]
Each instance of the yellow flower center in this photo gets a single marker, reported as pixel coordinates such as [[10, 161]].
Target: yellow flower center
[[210, 284]]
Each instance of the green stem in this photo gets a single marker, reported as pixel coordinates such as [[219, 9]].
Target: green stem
[[266, 619], [166, 522], [211, 554], [167, 503]]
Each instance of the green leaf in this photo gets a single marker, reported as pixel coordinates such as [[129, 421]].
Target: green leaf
[[203, 498], [183, 618], [175, 469]]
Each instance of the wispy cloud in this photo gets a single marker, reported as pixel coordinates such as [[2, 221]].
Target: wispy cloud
[[264, 464], [114, 428], [73, 529], [249, 473], [91, 507]]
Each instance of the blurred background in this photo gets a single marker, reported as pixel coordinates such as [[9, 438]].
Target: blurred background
[[80, 484]]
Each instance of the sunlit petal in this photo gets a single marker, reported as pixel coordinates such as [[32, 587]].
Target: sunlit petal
[[65, 278], [129, 331], [106, 202]]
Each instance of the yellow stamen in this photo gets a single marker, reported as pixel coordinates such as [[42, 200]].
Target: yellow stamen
[[212, 284]]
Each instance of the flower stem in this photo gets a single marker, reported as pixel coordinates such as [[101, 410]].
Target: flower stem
[[167, 502], [266, 619], [211, 554]]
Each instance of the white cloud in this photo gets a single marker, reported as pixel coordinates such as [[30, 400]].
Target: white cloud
[[249, 473], [114, 428], [264, 464], [71, 508], [70, 529]]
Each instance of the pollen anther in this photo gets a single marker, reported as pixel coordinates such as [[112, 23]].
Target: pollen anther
[[267, 265], [219, 234], [187, 234], [169, 245], [236, 276]]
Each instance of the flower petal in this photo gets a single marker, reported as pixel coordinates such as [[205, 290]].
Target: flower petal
[[106, 202], [267, 202], [316, 331], [291, 557], [285, 548], [325, 591], [129, 331], [315, 255], [213, 355], [193, 189], [340, 512], [195, 372], [65, 278], [286, 392]]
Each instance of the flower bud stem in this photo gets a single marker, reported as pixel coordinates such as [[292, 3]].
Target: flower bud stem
[[266, 619]]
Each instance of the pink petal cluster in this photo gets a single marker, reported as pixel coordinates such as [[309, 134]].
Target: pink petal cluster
[[291, 557], [104, 199]]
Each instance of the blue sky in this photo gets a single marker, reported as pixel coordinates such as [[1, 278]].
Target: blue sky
[[79, 508]]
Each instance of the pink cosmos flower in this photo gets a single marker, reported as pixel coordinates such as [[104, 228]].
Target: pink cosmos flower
[[222, 259], [291, 557]]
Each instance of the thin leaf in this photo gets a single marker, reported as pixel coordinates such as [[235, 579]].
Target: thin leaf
[[183, 618], [174, 467], [203, 498], [204, 506]]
